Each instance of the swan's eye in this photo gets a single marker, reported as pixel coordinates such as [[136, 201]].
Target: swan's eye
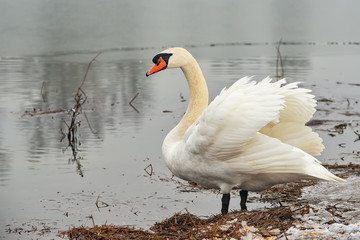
[[160, 60]]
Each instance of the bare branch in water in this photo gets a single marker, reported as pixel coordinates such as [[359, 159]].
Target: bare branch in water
[[100, 204], [130, 103], [43, 91], [36, 113], [87, 70], [358, 135], [279, 61], [80, 98]]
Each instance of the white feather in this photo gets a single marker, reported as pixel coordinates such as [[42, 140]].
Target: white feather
[[297, 135]]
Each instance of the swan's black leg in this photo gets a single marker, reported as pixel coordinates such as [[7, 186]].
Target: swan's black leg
[[243, 198], [225, 200]]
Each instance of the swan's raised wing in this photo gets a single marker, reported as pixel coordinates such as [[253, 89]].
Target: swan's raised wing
[[233, 118], [289, 128], [300, 104]]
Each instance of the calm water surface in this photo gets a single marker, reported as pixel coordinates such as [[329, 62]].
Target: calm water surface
[[45, 50]]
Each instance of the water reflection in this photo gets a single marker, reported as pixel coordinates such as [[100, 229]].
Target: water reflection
[[5, 164], [295, 68], [109, 87]]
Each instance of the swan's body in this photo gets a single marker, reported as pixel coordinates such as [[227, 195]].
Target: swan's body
[[251, 136]]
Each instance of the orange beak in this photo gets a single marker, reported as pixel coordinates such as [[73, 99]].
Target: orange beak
[[160, 65]]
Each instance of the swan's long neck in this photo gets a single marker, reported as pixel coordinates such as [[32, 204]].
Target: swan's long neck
[[199, 96]]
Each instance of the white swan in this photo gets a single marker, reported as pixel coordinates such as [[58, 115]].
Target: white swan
[[251, 136]]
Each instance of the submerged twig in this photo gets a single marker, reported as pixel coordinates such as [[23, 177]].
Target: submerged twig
[[43, 91], [100, 204], [151, 170], [342, 145], [358, 135], [130, 103], [91, 129], [63, 135], [279, 61], [73, 141]]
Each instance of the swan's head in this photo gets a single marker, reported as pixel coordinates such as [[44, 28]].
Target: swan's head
[[170, 58]]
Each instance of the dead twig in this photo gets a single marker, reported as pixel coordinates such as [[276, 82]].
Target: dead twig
[[283, 230], [189, 215], [358, 135], [36, 113], [100, 204], [279, 61], [92, 219], [342, 145], [151, 170], [43, 91], [87, 70], [130, 103]]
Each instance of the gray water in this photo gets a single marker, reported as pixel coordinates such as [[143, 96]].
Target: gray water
[[45, 47]]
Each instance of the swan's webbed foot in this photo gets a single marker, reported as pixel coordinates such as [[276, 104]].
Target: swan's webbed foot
[[243, 199], [225, 200]]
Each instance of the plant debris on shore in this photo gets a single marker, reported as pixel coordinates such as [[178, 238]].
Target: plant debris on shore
[[262, 223]]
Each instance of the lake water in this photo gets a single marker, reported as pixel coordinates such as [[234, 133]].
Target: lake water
[[46, 47]]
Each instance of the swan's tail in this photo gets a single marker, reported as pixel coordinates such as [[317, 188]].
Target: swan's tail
[[320, 172]]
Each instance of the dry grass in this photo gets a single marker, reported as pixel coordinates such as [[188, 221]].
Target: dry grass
[[189, 226]]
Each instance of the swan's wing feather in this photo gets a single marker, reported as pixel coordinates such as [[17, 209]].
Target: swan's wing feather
[[297, 135], [289, 128], [300, 104], [267, 155], [234, 117], [263, 154]]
